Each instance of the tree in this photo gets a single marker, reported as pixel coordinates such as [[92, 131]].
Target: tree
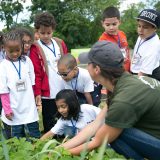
[[9, 9]]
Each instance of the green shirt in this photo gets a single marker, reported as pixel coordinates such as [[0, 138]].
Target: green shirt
[[135, 103]]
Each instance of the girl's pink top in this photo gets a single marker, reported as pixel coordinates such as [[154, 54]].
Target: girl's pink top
[[6, 103]]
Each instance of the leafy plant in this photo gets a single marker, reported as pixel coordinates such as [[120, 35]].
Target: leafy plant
[[21, 149]]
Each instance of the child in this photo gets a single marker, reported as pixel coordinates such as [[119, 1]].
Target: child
[[146, 56], [73, 117], [76, 78], [111, 22], [2, 55], [27, 39], [47, 82], [16, 80]]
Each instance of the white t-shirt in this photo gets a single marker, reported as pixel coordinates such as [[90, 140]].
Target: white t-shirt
[[87, 115], [146, 57], [82, 84], [55, 81], [22, 102]]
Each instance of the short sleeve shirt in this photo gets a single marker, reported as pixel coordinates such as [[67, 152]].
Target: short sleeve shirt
[[146, 55], [135, 103], [83, 83], [22, 102], [87, 115], [121, 40], [52, 54]]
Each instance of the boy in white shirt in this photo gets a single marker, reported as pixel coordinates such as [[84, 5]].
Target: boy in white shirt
[[146, 56], [76, 78]]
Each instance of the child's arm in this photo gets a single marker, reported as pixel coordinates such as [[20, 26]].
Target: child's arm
[[88, 97], [6, 106], [57, 129], [38, 101], [49, 134]]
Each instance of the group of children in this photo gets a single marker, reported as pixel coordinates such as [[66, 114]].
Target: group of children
[[40, 72], [30, 77]]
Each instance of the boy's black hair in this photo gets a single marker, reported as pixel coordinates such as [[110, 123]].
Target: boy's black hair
[[70, 98], [110, 12], [44, 19], [68, 60]]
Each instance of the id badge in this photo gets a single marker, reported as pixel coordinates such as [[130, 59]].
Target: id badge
[[21, 85], [136, 59], [124, 52]]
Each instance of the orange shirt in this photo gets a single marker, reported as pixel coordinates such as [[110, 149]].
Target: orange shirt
[[121, 40]]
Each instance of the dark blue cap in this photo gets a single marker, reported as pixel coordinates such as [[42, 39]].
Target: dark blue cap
[[151, 16]]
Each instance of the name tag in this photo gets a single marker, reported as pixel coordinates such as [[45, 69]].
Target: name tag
[[124, 53], [21, 85], [136, 58]]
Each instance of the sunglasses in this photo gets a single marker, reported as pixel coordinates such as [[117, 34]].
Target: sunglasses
[[64, 74]]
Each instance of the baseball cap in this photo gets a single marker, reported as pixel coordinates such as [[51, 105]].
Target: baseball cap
[[151, 16], [103, 53]]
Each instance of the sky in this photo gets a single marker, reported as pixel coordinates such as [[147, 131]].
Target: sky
[[124, 5], [25, 14]]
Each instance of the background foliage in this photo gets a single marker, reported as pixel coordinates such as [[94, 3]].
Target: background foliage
[[78, 21]]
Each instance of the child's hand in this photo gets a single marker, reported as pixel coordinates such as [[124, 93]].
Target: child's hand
[[9, 116], [38, 101]]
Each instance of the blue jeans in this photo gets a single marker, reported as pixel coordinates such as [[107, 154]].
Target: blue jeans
[[136, 144], [32, 129]]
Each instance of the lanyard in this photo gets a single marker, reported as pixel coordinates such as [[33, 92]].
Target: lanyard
[[119, 42], [18, 71], [2, 53], [53, 51], [73, 127], [74, 87], [140, 43]]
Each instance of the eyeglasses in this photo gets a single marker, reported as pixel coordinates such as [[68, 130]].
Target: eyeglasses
[[64, 74]]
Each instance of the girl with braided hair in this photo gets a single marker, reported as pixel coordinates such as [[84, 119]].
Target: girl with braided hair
[[16, 79]]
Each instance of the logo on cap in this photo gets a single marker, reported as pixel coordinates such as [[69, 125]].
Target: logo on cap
[[149, 15]]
